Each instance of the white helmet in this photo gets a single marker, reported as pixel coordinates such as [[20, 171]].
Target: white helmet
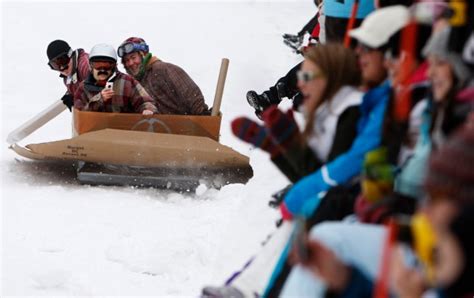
[[102, 51]]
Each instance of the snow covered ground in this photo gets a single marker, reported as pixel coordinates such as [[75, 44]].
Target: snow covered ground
[[64, 239]]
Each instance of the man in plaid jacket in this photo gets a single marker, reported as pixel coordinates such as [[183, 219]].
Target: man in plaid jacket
[[170, 86], [108, 90]]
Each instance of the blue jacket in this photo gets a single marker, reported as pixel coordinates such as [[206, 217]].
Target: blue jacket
[[304, 196]]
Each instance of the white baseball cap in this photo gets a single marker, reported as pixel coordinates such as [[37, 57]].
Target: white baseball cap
[[380, 25]]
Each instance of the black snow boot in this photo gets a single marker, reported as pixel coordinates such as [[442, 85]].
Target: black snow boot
[[260, 102], [293, 41], [273, 96], [279, 196]]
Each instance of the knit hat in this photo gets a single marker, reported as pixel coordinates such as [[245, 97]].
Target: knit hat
[[56, 48], [451, 172], [438, 45]]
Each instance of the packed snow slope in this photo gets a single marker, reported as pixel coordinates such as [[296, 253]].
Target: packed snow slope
[[60, 238]]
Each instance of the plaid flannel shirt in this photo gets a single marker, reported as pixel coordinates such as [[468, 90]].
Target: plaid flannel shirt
[[130, 96]]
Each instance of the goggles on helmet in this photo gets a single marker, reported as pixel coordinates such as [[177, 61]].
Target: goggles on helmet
[[131, 47], [103, 65], [61, 61]]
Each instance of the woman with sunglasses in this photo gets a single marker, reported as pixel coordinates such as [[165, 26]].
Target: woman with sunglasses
[[73, 66], [328, 80], [108, 90]]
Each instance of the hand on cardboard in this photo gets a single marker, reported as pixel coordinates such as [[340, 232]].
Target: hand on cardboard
[[107, 94]]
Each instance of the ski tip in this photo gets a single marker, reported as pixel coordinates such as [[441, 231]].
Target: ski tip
[[12, 139]]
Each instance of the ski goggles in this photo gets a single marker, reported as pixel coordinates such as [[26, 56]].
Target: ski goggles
[[131, 47], [308, 76], [61, 61], [103, 65]]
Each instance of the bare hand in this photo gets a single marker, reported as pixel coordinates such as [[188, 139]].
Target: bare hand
[[407, 282], [323, 263], [107, 94], [147, 112]]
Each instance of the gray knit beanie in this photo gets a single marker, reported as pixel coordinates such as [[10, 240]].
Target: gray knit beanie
[[438, 45]]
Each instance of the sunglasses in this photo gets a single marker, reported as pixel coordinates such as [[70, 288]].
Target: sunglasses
[[103, 65], [60, 62], [307, 76], [130, 47]]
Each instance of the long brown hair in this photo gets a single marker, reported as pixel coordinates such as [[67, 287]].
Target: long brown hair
[[340, 68]]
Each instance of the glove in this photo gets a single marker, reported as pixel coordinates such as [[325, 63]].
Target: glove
[[251, 132], [68, 101], [282, 126]]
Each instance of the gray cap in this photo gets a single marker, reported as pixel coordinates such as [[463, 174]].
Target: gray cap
[[438, 45]]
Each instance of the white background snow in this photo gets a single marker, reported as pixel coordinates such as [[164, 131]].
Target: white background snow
[[60, 238]]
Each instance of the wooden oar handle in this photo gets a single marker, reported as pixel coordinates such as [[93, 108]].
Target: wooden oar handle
[[220, 87]]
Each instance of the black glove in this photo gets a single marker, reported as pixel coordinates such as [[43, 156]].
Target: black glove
[[68, 101], [279, 196]]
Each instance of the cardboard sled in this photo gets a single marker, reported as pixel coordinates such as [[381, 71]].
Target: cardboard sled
[[173, 151], [146, 159]]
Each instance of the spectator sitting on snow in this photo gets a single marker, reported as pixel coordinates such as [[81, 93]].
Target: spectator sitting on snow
[[108, 90], [73, 66], [449, 210], [328, 79], [170, 86]]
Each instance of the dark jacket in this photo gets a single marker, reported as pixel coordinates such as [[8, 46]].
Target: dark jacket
[[172, 89]]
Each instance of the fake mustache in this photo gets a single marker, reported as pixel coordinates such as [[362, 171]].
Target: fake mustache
[[103, 72]]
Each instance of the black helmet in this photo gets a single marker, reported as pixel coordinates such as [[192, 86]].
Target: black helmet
[[59, 53], [57, 48]]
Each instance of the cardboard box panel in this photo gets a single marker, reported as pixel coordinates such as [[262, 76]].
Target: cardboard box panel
[[191, 125]]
